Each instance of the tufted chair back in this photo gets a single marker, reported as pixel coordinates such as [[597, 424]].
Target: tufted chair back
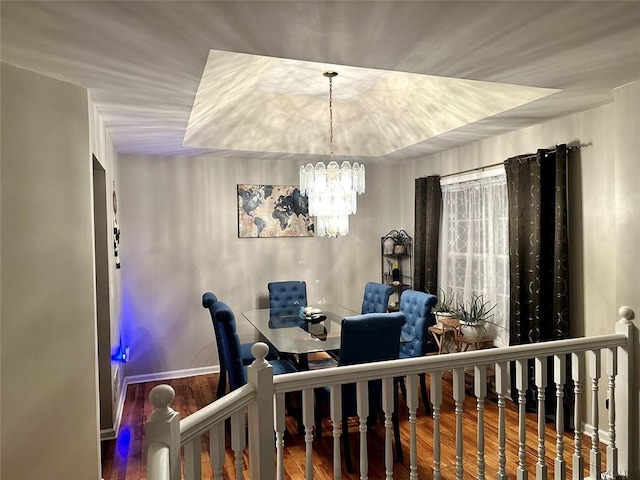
[[376, 297], [208, 301], [416, 307], [225, 321], [289, 295], [371, 337]]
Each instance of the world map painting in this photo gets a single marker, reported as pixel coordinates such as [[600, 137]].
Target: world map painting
[[267, 211]]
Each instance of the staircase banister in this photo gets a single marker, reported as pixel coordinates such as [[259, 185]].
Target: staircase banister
[[158, 465], [202, 420], [162, 431], [396, 368]]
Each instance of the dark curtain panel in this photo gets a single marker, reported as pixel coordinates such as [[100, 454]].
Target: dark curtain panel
[[427, 230], [538, 251]]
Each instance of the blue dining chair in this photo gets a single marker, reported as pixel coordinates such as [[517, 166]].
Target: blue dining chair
[[372, 337], [288, 295], [376, 297], [209, 300], [416, 307], [231, 349]]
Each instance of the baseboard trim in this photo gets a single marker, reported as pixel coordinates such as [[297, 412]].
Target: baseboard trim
[[170, 375], [108, 434], [603, 435], [150, 377]]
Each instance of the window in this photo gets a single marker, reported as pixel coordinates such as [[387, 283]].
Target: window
[[474, 242]]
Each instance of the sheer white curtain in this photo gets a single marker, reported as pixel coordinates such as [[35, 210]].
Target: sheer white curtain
[[474, 242]]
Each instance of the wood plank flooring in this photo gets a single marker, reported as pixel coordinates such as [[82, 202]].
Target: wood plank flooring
[[123, 459]]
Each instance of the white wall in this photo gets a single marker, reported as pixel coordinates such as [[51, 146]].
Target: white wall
[[48, 345], [627, 232], [179, 240]]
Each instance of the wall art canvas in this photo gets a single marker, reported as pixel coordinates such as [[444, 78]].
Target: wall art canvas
[[267, 211]]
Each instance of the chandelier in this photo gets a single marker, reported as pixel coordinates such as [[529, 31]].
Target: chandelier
[[332, 188]]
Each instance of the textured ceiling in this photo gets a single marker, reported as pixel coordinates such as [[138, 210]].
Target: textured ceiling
[[143, 63], [256, 103]]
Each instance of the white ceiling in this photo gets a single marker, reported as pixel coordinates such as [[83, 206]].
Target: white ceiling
[[143, 63]]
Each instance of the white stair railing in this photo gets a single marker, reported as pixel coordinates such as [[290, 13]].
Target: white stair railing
[[263, 400]]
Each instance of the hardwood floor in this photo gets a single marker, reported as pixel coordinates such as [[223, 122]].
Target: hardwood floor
[[123, 459]]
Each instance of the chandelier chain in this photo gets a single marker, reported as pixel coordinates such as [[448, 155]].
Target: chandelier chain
[[331, 115]]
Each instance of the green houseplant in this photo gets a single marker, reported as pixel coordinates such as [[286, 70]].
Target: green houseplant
[[446, 308], [474, 316]]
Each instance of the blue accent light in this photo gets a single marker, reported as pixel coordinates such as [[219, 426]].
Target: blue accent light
[[122, 355]]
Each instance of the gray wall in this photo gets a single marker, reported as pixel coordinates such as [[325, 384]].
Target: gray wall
[[48, 344], [179, 240]]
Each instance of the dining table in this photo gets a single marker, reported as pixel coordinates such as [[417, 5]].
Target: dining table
[[293, 333]]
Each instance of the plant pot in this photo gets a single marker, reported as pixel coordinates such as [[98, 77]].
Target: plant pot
[[474, 332], [399, 249]]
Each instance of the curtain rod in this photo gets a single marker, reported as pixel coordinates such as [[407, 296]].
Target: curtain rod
[[485, 167]]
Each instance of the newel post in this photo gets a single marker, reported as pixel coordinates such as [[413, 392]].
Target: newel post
[[261, 427], [625, 396], [163, 427]]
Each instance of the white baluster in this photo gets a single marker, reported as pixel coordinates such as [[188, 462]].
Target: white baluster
[[594, 372], [612, 449], [458, 397], [308, 415], [279, 427], [502, 384], [480, 386], [217, 449], [560, 378], [521, 386], [362, 396], [412, 405], [436, 401], [541, 384], [193, 460], [238, 441], [335, 409], [387, 407], [577, 373]]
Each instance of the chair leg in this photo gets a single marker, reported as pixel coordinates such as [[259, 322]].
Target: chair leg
[[403, 387], [396, 437], [424, 393], [396, 425], [222, 382], [345, 444]]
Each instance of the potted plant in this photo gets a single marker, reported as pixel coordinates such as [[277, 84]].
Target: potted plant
[[446, 309], [401, 243], [475, 316]]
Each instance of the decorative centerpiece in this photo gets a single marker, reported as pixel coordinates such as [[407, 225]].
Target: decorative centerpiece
[[311, 314]]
